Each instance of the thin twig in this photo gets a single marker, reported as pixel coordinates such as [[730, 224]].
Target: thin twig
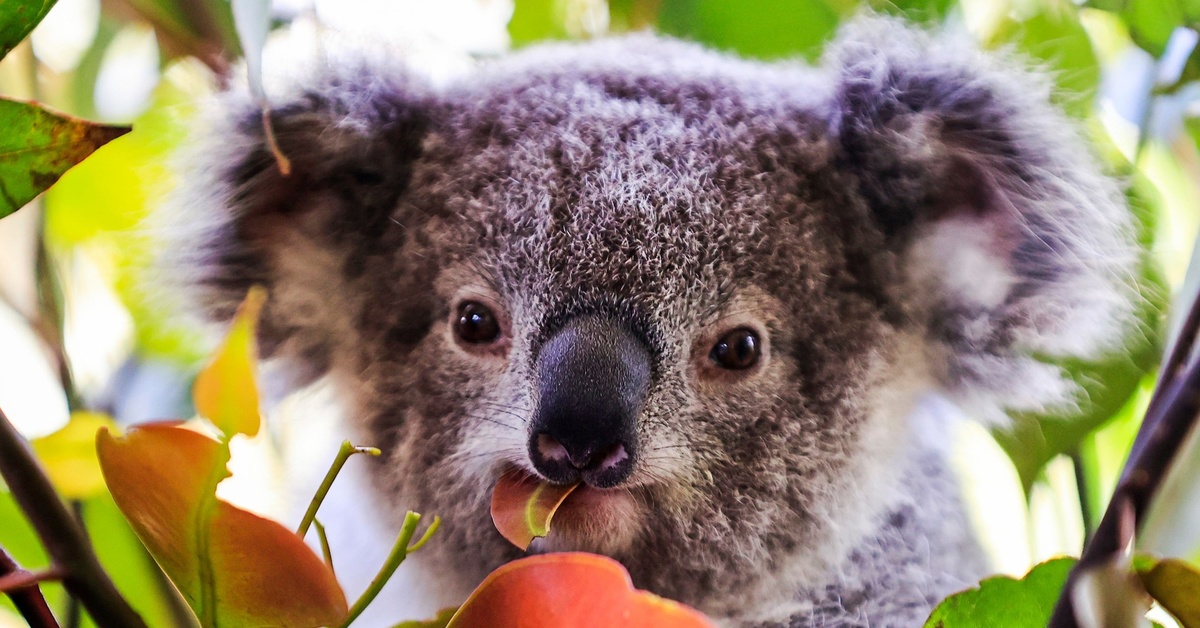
[[1084, 490], [26, 597], [325, 551], [173, 36], [399, 552], [51, 319], [64, 540], [23, 578], [344, 452]]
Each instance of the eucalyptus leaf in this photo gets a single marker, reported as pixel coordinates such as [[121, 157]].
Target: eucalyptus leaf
[[1004, 601], [1055, 39], [536, 20], [767, 29], [17, 20], [1175, 585], [37, 146]]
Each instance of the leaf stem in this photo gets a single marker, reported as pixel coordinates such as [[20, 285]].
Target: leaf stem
[[22, 578], [51, 319], [325, 551], [344, 452], [437, 521], [21, 587], [65, 541], [1083, 487], [399, 552]]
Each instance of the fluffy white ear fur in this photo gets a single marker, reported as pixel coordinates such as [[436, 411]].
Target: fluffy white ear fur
[[1021, 251], [956, 260]]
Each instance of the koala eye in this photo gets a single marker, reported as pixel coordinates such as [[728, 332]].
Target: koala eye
[[737, 350], [476, 324]]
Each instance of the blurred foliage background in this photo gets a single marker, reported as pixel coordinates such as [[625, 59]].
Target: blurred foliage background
[[1127, 70]]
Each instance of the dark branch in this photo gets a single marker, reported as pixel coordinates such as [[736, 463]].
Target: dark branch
[[26, 596], [64, 539], [1170, 418]]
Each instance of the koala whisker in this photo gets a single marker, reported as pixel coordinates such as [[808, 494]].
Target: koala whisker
[[483, 417], [514, 412], [667, 447]]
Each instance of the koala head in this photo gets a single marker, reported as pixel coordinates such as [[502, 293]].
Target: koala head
[[709, 289]]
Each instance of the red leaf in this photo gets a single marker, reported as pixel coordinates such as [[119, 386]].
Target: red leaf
[[570, 589], [522, 506], [233, 567]]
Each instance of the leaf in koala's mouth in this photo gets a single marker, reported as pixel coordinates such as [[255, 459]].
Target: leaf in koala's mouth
[[522, 506]]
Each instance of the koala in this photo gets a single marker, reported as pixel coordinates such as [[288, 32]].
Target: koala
[[711, 290]]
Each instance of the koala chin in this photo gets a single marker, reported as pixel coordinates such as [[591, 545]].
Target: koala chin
[[712, 290]]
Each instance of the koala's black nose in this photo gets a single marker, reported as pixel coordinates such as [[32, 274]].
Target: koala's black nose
[[593, 376]]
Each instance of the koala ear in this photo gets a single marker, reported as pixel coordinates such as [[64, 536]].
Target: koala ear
[[1012, 243], [352, 130]]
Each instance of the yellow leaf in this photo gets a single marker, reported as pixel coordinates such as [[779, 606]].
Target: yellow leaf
[[234, 568], [226, 392], [69, 455], [1175, 584]]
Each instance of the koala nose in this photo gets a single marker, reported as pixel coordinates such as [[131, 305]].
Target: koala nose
[[593, 377]]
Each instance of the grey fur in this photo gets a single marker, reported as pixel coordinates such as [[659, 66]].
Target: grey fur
[[682, 192]]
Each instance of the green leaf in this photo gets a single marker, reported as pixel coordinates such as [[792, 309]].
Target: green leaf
[[126, 561], [1054, 37], [536, 20], [1151, 23], [129, 175], [17, 19], [201, 28], [18, 538], [923, 11], [1175, 584], [631, 15], [766, 29], [1004, 601], [37, 146], [1193, 129]]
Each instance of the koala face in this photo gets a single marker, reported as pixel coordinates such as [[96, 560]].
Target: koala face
[[708, 289], [643, 301]]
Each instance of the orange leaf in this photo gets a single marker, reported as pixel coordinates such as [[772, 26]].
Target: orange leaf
[[225, 392], [570, 589], [233, 567], [522, 506]]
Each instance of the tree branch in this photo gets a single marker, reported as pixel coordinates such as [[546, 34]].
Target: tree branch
[[64, 539], [27, 597], [1170, 418]]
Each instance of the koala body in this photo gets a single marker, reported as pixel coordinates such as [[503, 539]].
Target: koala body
[[710, 289]]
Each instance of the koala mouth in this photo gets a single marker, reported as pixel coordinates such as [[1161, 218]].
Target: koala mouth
[[584, 517]]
